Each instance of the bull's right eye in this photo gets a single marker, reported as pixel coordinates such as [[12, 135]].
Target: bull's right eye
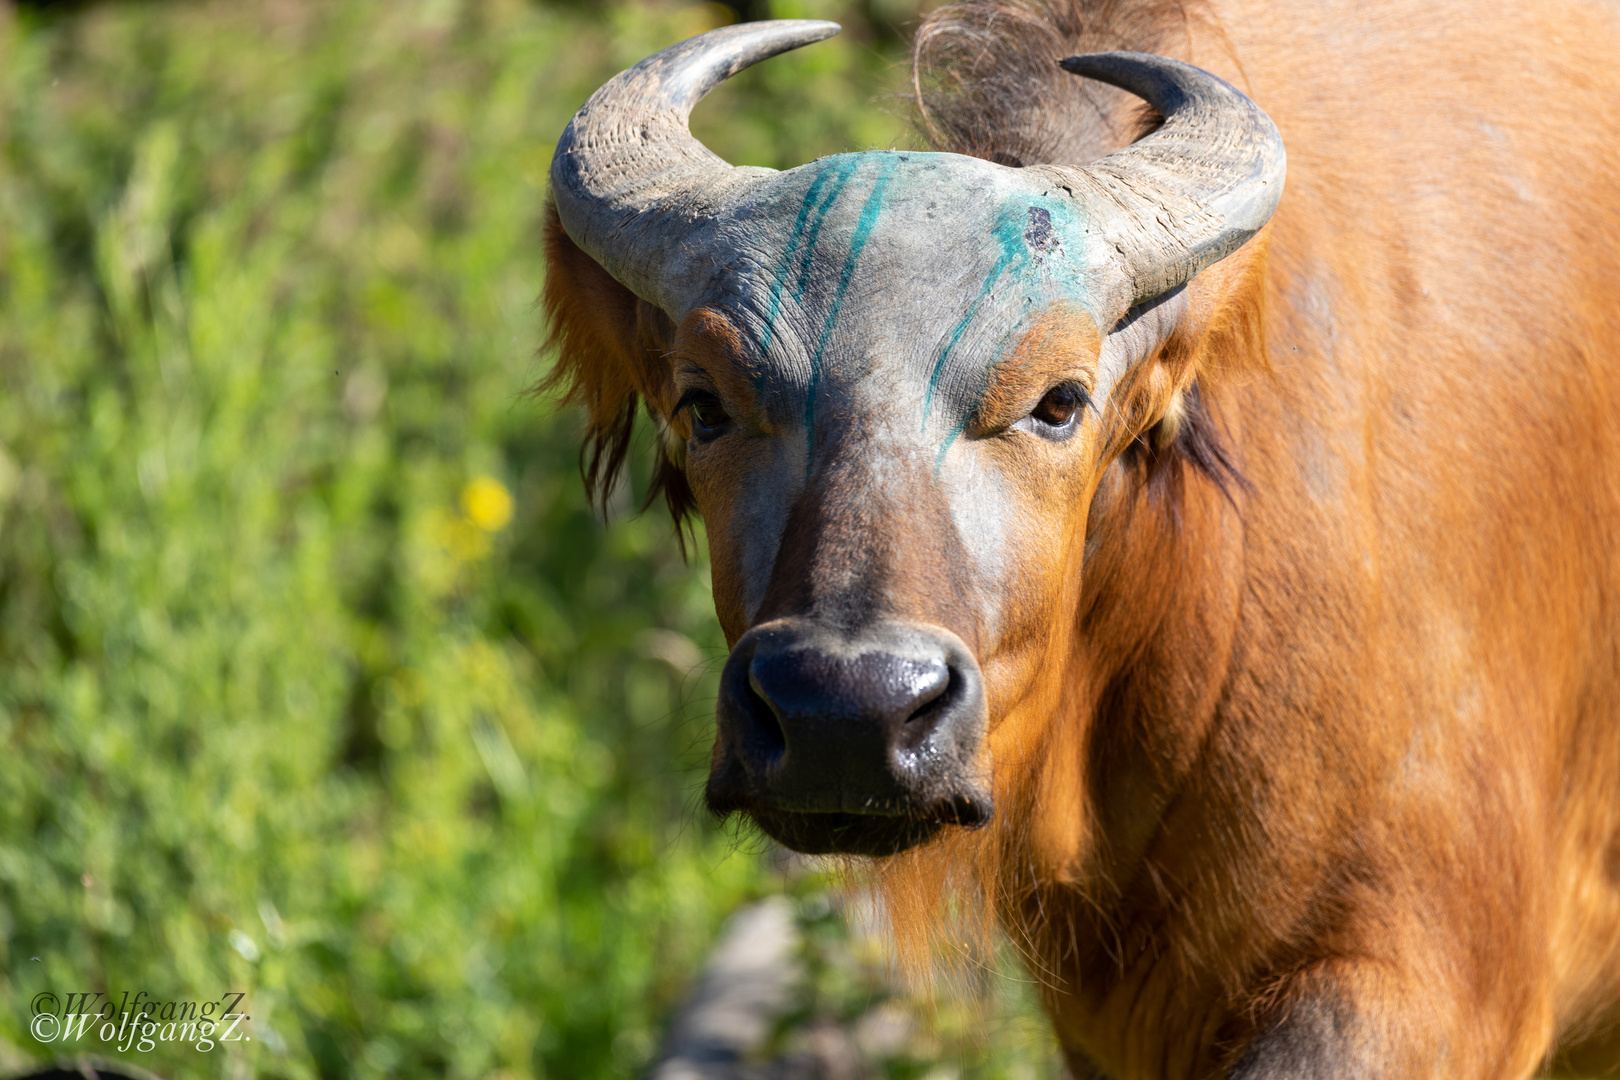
[[709, 417]]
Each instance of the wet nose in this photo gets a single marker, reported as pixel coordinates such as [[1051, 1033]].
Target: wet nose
[[807, 685], [888, 723]]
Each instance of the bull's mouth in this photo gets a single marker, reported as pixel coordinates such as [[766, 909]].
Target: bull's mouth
[[846, 834], [872, 835]]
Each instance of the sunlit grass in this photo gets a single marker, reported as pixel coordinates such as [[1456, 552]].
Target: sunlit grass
[[318, 679]]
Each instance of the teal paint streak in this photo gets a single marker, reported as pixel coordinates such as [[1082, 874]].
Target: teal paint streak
[[824, 191], [1015, 256], [844, 169], [955, 433], [863, 232]]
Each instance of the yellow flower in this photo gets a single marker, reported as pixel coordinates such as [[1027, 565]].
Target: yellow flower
[[487, 503]]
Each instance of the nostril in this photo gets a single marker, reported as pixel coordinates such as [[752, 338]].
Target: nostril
[[766, 729], [929, 715], [937, 698]]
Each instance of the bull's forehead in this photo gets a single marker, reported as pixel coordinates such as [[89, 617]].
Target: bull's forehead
[[894, 276]]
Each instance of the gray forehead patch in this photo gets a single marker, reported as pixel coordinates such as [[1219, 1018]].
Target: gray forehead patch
[[910, 266]]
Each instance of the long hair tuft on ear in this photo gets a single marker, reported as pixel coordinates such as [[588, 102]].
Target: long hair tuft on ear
[[612, 350]]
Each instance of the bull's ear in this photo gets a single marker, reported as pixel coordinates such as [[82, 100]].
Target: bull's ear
[[1178, 354], [611, 352]]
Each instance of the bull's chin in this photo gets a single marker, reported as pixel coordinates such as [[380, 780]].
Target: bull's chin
[[845, 834]]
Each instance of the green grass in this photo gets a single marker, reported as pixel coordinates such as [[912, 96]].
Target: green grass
[[291, 704]]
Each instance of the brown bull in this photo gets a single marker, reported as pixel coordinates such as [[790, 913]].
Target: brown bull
[[1240, 609]]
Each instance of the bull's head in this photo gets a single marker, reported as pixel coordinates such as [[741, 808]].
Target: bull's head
[[895, 378]]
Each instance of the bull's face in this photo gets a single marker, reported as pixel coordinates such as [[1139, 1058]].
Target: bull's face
[[886, 430], [893, 383]]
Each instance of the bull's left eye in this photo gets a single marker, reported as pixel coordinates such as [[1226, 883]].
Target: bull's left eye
[[709, 416], [1058, 412]]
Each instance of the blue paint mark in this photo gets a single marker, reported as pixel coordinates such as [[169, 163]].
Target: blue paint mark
[[830, 178], [1027, 235], [845, 168], [955, 433], [1015, 255], [863, 232]]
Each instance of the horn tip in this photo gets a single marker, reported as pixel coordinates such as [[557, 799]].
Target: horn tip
[[1086, 61], [806, 31]]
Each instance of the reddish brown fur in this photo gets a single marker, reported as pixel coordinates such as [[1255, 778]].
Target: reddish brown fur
[[612, 351], [1063, 344], [1315, 774]]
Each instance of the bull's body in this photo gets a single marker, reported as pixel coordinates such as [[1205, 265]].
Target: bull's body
[[1316, 772], [1354, 742]]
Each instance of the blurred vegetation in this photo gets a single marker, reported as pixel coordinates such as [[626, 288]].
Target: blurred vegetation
[[318, 678]]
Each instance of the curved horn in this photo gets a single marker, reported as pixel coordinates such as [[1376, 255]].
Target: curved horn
[[629, 179], [1190, 193]]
